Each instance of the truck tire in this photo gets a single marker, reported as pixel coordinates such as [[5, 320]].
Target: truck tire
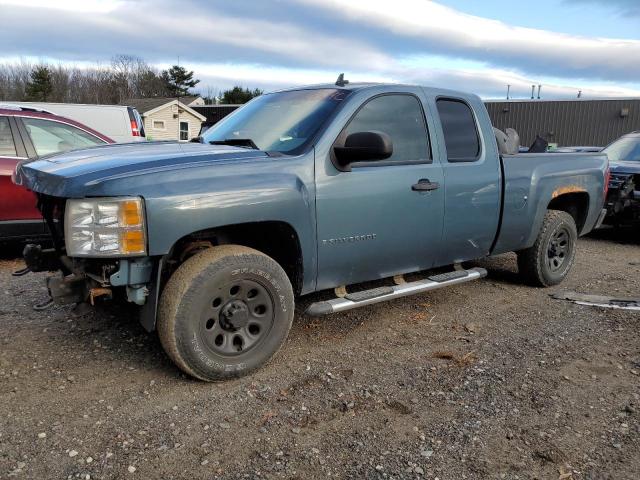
[[550, 258], [225, 312]]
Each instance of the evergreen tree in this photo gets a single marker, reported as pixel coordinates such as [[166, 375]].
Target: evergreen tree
[[40, 86], [178, 81], [150, 84], [238, 95]]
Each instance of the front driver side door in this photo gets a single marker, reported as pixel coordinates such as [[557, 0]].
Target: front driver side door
[[375, 221]]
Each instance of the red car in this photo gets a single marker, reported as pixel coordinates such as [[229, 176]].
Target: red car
[[25, 134]]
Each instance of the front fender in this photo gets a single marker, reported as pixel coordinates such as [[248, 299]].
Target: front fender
[[234, 199]]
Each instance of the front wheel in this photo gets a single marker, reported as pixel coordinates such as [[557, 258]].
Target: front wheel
[[225, 312], [550, 258]]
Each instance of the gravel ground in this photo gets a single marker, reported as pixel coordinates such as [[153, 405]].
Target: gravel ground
[[491, 379]]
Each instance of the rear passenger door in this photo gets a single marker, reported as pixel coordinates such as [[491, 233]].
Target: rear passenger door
[[472, 180]]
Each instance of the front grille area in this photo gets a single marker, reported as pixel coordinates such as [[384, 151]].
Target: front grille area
[[623, 200], [618, 180]]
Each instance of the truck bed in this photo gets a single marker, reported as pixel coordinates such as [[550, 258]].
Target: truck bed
[[531, 181]]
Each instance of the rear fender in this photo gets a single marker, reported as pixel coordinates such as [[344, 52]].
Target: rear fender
[[535, 183]]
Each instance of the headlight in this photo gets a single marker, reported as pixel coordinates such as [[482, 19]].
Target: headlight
[[105, 227]]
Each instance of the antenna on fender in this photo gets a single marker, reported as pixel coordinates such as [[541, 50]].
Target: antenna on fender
[[341, 82]]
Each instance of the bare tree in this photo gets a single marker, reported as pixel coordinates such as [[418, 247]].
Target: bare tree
[[60, 83], [14, 78], [210, 95], [125, 77]]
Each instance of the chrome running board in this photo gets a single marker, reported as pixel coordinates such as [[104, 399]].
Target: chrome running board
[[382, 294]]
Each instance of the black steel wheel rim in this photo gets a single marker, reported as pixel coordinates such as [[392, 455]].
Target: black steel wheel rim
[[559, 249], [238, 317]]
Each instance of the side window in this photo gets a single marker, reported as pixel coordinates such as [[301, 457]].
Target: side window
[[400, 117], [460, 131], [52, 137], [7, 147]]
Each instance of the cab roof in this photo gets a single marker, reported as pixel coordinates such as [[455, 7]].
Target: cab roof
[[359, 86]]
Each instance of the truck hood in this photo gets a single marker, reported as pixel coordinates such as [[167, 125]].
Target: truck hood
[[67, 174], [625, 167]]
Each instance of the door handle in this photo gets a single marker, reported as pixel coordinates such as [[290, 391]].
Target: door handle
[[424, 185]]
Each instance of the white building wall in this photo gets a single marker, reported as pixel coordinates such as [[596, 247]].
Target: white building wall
[[170, 131]]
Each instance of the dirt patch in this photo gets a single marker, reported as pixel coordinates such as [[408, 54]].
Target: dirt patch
[[491, 379]]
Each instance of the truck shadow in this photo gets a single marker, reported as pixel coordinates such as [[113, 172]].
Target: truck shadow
[[501, 268], [11, 251], [621, 235], [118, 341], [116, 338]]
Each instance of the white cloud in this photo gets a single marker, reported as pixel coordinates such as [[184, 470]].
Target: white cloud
[[483, 80], [492, 83], [224, 49], [96, 6], [224, 75], [486, 82], [275, 38], [163, 28], [463, 33]]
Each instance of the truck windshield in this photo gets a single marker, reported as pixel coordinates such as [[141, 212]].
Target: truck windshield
[[278, 122], [626, 149]]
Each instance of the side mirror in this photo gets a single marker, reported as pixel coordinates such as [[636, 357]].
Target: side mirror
[[364, 146]]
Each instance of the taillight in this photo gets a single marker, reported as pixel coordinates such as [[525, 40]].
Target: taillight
[[607, 177], [134, 129]]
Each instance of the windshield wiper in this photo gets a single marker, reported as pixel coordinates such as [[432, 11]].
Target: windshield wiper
[[236, 142]]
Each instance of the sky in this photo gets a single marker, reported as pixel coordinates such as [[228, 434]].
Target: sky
[[566, 46]]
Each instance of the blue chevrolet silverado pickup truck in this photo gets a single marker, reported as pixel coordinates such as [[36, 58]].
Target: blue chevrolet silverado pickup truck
[[301, 190]]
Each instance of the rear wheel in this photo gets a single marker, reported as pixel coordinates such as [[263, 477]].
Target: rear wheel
[[550, 258], [225, 312]]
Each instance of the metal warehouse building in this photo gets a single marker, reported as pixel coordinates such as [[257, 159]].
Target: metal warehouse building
[[214, 113], [577, 122]]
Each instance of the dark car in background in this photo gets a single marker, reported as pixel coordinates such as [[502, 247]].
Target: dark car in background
[[25, 134], [623, 199]]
